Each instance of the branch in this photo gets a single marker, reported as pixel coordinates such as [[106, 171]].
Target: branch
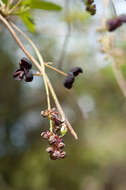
[[41, 71]]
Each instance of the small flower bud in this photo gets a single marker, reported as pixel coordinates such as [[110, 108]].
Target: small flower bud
[[56, 154], [61, 145], [57, 121], [56, 129], [52, 139], [90, 7], [46, 134], [62, 154], [49, 149], [52, 157]]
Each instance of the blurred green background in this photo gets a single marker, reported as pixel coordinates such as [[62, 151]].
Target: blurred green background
[[95, 107]]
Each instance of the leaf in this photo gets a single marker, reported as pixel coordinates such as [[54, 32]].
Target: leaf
[[40, 4], [5, 1], [28, 21]]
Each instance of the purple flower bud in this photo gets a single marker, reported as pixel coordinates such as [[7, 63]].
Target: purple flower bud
[[52, 157], [56, 129], [61, 145], [46, 134], [56, 154], [50, 150], [57, 122], [62, 154], [52, 139]]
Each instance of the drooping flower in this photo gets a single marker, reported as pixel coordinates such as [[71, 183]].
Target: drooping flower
[[69, 80], [24, 71]]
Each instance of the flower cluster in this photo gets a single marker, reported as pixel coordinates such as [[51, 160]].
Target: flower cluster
[[24, 71], [90, 7], [55, 140], [69, 80], [56, 145], [114, 23]]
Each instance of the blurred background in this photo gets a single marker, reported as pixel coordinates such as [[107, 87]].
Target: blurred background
[[95, 106]]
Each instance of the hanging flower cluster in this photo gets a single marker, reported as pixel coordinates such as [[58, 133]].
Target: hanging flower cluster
[[90, 7], [54, 135]]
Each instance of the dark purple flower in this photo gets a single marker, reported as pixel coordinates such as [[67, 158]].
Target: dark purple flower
[[24, 71], [113, 24], [25, 63], [69, 80]]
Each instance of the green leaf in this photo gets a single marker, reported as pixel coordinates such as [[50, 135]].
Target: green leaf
[[28, 21], [5, 1], [40, 4]]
